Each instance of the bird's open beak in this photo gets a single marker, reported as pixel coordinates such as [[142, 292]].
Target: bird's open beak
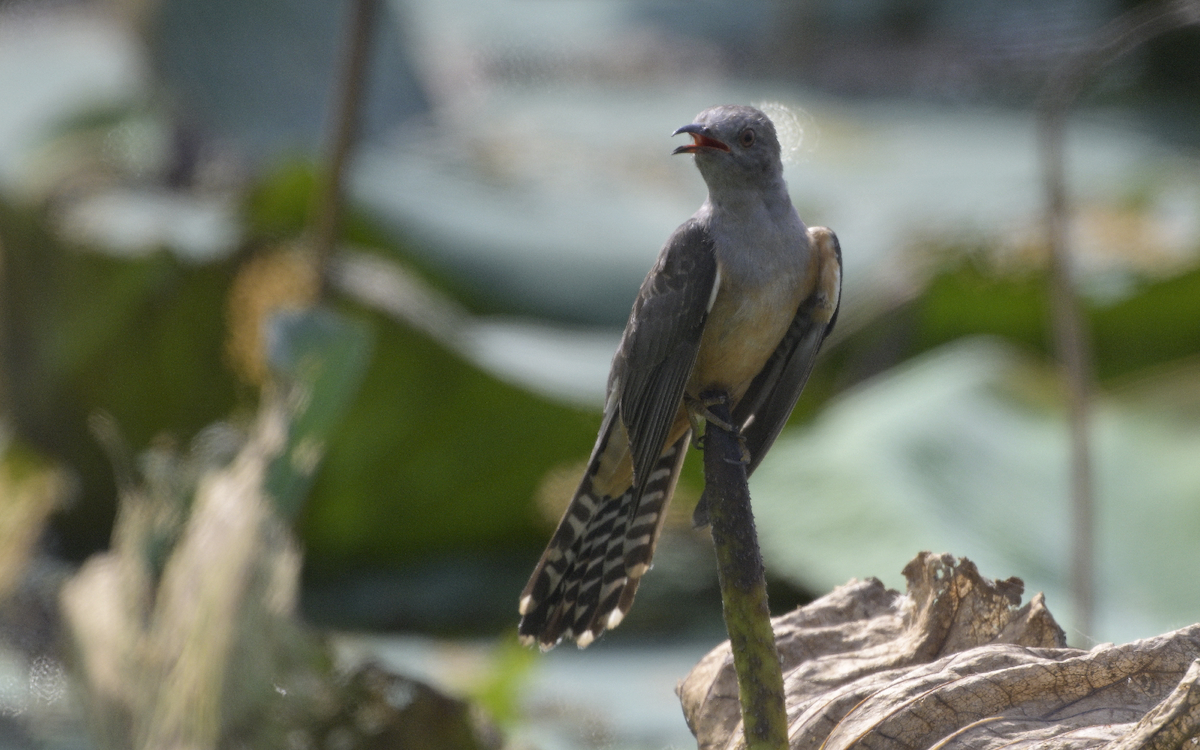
[[699, 140]]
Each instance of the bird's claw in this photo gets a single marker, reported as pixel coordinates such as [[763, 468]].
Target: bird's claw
[[698, 408]]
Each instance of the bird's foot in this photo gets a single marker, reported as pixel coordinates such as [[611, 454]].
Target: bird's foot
[[700, 409]]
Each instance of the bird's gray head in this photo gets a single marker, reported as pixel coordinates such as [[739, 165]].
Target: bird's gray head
[[734, 145]]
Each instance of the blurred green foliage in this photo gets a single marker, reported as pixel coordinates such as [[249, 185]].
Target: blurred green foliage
[[435, 455], [139, 338], [318, 358], [278, 206], [30, 489], [500, 689], [1158, 323], [967, 300]]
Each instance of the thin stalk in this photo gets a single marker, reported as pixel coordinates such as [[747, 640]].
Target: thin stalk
[[1063, 87], [743, 590], [327, 207]]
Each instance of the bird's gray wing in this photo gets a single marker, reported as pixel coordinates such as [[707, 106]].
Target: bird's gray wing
[[658, 350], [771, 396]]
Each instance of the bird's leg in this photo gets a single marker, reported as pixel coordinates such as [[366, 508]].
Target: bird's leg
[[698, 408]]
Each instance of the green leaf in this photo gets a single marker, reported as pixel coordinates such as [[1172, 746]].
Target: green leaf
[[319, 357], [965, 450]]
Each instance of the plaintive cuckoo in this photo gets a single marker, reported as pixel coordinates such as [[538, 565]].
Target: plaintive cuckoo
[[738, 303]]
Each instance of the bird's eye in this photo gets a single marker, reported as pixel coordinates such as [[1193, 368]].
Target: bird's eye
[[746, 138]]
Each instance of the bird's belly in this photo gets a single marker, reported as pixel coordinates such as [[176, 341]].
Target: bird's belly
[[740, 334]]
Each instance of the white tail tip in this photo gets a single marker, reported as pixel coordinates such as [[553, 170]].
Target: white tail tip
[[614, 618]]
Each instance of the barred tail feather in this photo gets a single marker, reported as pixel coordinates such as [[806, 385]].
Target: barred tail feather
[[587, 578]]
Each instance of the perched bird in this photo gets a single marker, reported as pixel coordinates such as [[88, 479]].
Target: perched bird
[[738, 304]]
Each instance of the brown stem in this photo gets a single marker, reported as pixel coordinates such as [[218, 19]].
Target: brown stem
[[1062, 89], [327, 207]]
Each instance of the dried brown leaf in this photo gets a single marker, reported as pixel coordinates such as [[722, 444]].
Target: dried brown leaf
[[956, 663]]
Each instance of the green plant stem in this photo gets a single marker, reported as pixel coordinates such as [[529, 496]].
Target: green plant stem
[[743, 589]]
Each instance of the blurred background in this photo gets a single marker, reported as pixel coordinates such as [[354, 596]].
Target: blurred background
[[510, 185]]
